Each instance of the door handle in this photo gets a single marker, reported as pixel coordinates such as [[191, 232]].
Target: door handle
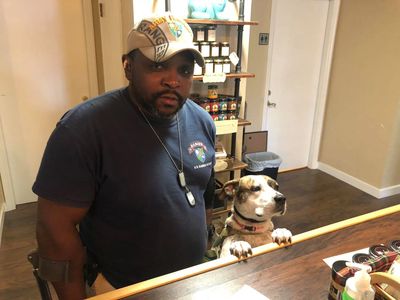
[[271, 104]]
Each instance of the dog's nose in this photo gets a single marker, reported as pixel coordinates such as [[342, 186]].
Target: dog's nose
[[279, 198]]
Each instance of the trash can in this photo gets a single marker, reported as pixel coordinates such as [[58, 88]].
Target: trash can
[[262, 163]]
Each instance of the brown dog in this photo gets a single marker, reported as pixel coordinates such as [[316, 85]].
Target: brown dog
[[255, 201]]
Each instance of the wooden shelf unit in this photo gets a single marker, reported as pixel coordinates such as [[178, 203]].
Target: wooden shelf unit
[[229, 75], [220, 22], [233, 164]]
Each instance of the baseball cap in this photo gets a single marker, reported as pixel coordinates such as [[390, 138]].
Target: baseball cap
[[160, 37]]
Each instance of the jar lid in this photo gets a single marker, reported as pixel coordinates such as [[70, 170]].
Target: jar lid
[[213, 86], [205, 43], [225, 43], [218, 60], [214, 43]]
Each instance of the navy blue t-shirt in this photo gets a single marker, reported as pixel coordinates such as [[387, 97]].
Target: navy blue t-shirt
[[104, 155]]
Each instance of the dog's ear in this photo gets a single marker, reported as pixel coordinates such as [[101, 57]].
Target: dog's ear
[[229, 189], [272, 183]]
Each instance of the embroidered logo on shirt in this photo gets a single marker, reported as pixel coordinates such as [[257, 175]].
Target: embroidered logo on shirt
[[199, 149]]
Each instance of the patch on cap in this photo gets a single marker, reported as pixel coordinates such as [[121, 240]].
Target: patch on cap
[[161, 37]]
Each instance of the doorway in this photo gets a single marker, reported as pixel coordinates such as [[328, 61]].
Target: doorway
[[302, 35]]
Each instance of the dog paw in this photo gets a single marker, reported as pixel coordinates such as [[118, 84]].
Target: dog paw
[[240, 249], [281, 235]]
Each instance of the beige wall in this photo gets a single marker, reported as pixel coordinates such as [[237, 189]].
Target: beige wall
[[43, 71], [362, 127]]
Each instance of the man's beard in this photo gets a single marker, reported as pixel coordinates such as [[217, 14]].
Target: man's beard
[[150, 107]]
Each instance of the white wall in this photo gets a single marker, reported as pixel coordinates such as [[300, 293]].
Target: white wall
[[43, 73]]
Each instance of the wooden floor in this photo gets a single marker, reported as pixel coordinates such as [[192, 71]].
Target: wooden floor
[[314, 199]]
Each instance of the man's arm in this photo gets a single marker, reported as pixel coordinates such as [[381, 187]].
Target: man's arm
[[58, 239]]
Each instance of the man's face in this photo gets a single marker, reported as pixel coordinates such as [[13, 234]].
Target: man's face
[[161, 88]]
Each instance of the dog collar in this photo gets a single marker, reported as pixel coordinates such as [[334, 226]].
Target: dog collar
[[244, 218], [246, 227]]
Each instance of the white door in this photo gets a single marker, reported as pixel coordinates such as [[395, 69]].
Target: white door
[[294, 64]]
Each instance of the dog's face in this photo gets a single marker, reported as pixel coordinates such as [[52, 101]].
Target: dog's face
[[256, 197]]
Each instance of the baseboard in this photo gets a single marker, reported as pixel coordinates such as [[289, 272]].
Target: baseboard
[[2, 216], [365, 187]]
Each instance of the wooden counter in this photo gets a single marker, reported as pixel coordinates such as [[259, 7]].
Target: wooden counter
[[297, 272]]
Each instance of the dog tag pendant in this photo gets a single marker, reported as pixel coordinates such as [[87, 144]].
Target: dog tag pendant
[[190, 198], [182, 180]]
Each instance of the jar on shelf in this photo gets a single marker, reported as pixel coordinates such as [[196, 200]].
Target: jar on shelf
[[231, 115], [225, 49], [226, 66], [213, 92], [223, 105], [222, 116], [218, 65], [208, 65], [199, 34], [214, 108], [211, 33], [197, 69], [232, 103], [197, 45], [214, 49], [205, 103], [205, 49], [214, 116]]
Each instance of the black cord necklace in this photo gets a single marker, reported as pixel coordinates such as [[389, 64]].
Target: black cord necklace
[[181, 175]]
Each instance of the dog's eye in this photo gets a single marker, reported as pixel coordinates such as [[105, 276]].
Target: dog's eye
[[255, 188]]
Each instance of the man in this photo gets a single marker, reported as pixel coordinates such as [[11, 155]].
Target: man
[[131, 167]]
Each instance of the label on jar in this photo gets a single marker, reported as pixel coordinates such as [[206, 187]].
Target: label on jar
[[212, 35], [197, 69], [223, 105], [205, 49], [232, 104], [214, 107], [227, 66], [225, 49], [218, 67], [215, 50], [200, 35], [209, 66]]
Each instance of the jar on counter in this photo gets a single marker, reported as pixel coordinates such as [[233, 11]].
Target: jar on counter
[[212, 92], [208, 65], [211, 33], [225, 49], [214, 49], [226, 66], [218, 65], [205, 49]]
